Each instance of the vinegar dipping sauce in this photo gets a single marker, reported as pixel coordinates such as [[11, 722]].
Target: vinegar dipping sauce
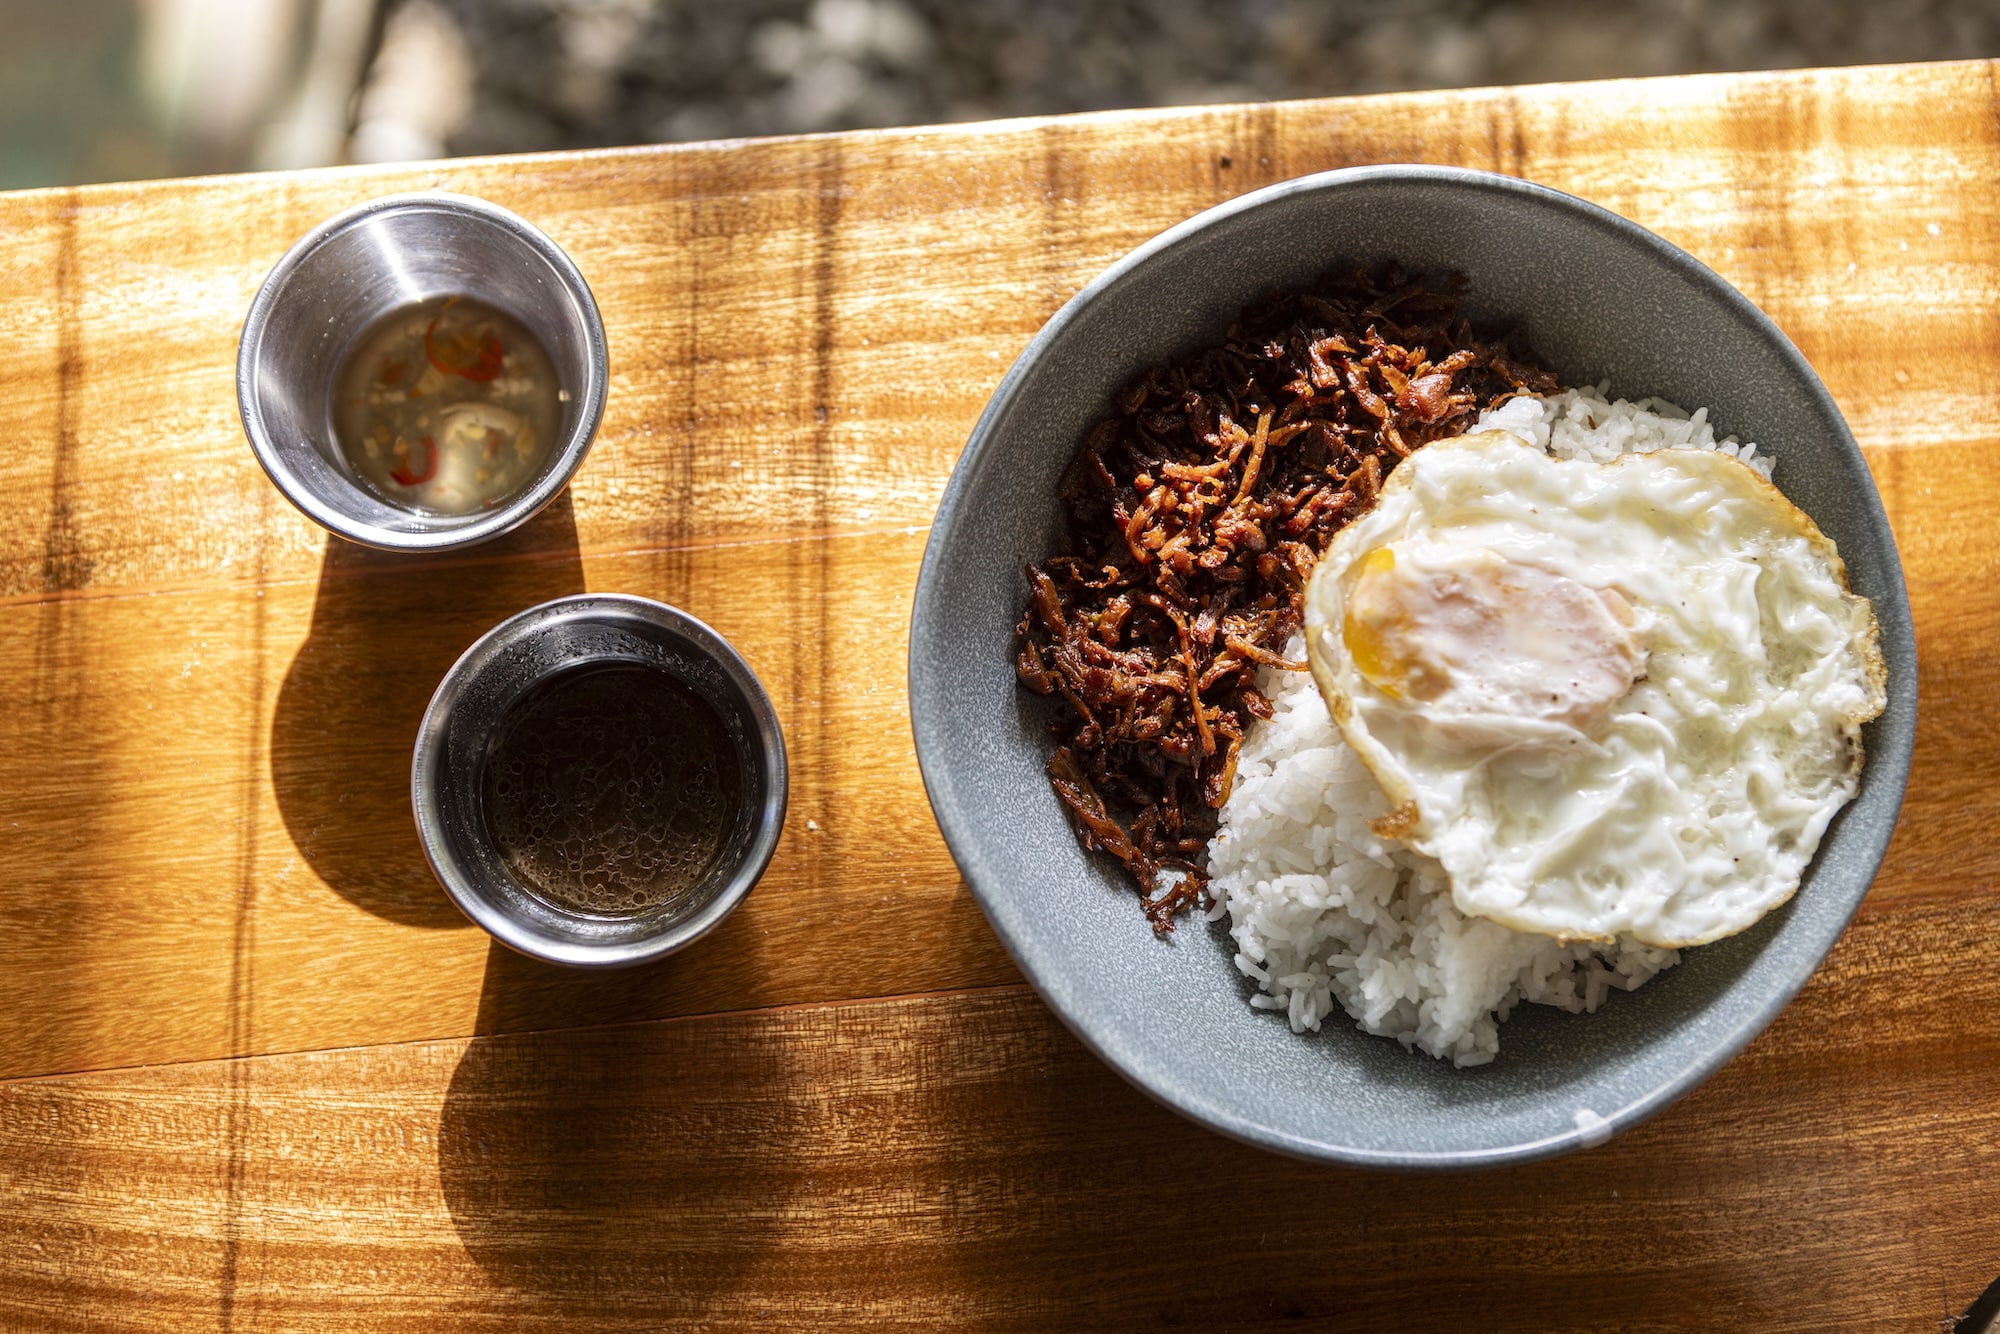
[[446, 407]]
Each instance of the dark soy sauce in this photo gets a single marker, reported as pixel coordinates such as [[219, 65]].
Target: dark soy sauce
[[611, 789]]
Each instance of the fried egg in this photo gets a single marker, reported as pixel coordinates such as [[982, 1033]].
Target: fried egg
[[1613, 699]]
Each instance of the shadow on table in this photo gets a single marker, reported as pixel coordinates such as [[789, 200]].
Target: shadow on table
[[635, 1169], [385, 629]]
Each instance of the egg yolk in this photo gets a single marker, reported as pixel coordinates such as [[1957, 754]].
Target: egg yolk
[[1478, 634]]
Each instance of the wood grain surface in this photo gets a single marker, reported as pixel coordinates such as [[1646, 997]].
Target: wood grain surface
[[957, 1161], [243, 1083]]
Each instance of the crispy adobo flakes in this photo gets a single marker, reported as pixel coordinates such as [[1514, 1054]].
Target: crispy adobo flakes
[[1196, 513]]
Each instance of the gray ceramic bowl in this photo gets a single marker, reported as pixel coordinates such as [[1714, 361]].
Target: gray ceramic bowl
[[1599, 298]]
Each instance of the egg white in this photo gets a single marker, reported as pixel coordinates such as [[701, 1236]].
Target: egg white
[[1677, 804]]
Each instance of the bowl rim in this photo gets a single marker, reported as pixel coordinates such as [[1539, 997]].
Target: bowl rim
[[427, 758], [1887, 763], [529, 503]]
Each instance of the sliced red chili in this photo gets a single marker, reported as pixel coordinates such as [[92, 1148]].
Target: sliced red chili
[[473, 356], [401, 472], [491, 354]]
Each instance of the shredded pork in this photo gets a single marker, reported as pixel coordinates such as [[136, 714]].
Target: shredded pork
[[1196, 513]]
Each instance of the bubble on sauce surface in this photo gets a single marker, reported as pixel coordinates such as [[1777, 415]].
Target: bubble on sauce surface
[[611, 790]]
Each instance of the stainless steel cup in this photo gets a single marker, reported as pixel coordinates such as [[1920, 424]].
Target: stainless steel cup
[[360, 265], [461, 727]]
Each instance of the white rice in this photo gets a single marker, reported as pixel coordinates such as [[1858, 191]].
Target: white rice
[[1583, 424], [1324, 911]]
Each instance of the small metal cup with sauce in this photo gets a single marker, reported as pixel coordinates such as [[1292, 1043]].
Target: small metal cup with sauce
[[359, 267], [488, 689]]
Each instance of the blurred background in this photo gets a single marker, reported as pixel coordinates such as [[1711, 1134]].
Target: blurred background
[[95, 90]]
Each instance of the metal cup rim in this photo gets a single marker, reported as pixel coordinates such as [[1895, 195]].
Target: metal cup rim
[[524, 506], [427, 760]]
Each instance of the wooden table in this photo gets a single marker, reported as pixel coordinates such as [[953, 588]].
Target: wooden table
[[259, 1072]]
